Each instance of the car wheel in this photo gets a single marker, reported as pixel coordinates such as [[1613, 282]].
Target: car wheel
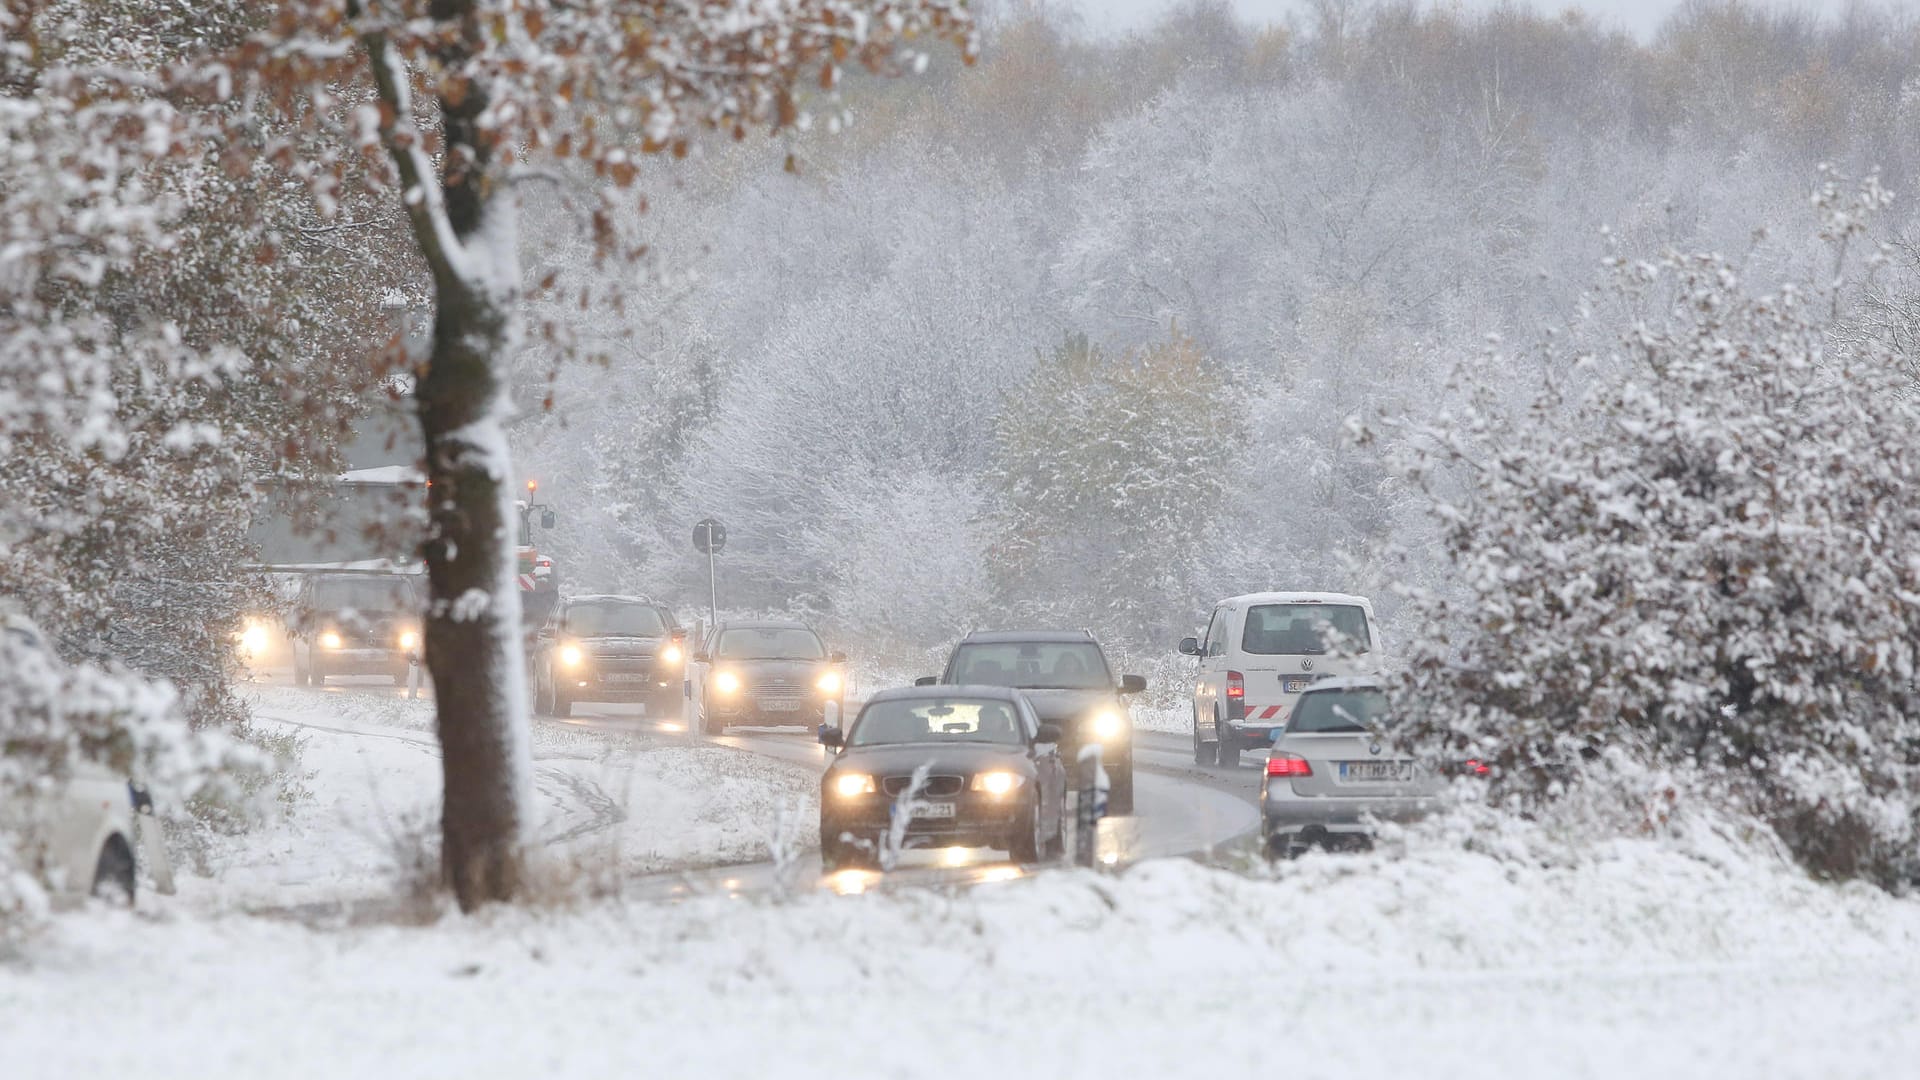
[[1026, 845], [1203, 752], [562, 704], [1120, 791], [709, 725], [1226, 752], [837, 855], [113, 878]]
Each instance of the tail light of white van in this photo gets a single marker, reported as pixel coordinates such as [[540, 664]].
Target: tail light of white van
[[1236, 696]]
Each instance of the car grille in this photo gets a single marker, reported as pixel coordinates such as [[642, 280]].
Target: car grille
[[936, 787], [778, 690], [640, 664]]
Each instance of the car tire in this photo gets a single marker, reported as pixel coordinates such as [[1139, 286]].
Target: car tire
[[113, 873], [562, 705], [1226, 753], [1120, 791], [1026, 845], [1204, 753], [709, 725]]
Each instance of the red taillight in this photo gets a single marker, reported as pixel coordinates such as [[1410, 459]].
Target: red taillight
[[1288, 765], [1475, 767], [1236, 685]]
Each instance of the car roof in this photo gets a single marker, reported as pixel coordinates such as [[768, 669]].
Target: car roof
[[946, 690], [611, 598], [1346, 682], [994, 637], [764, 624], [1247, 599]]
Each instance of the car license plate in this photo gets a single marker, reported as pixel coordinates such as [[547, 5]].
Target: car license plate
[[1376, 770], [627, 677], [932, 809], [780, 706], [1293, 684]]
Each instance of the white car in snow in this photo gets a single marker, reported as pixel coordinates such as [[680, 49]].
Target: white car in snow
[[1259, 652]]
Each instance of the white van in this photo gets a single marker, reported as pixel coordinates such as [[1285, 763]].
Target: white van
[[1259, 652]]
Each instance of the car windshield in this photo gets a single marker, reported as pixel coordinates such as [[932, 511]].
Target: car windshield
[[1032, 665], [770, 643], [1299, 629], [639, 620], [363, 594], [1339, 710], [937, 720]]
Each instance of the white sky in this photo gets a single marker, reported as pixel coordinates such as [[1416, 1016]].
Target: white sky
[[1639, 16]]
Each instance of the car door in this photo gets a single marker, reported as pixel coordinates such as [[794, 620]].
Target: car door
[[1210, 688]]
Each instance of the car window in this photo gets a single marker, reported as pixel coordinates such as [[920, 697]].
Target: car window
[[1032, 665], [363, 594], [1305, 629], [612, 617], [770, 643], [937, 720], [1217, 632], [1339, 710]]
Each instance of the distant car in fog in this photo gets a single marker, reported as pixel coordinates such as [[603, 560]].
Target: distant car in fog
[[608, 648], [1330, 774], [1260, 652], [355, 624], [764, 674], [1065, 674], [945, 766]]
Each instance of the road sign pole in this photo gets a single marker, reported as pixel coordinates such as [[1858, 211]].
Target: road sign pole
[[713, 591]]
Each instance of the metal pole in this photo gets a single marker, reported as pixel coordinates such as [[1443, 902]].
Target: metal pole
[[713, 590]]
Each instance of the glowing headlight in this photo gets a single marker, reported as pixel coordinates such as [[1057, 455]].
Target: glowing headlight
[[726, 682], [829, 683], [847, 785], [408, 639], [329, 640], [997, 783], [671, 654], [253, 640], [570, 655], [1108, 725]]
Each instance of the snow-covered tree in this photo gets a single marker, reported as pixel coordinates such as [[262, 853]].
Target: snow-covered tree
[[1697, 549]]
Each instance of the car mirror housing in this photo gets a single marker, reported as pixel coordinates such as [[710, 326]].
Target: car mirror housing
[[1190, 646], [836, 658], [1049, 733], [700, 657], [926, 680], [1132, 684], [831, 736]]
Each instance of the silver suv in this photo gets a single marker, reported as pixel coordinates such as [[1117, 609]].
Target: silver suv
[[1329, 776]]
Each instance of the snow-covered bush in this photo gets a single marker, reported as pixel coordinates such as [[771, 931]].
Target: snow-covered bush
[[1699, 548]]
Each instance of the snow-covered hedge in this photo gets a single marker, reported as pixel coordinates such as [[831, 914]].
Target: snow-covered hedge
[[1698, 550]]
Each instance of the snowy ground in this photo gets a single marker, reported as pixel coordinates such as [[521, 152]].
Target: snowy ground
[[610, 806], [1643, 962]]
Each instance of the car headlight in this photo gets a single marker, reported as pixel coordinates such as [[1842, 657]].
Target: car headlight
[[998, 782], [329, 640], [408, 639], [726, 682], [829, 683], [848, 785], [570, 655], [253, 639], [1109, 725], [671, 654]]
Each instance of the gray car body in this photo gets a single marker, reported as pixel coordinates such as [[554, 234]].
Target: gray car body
[[1297, 810]]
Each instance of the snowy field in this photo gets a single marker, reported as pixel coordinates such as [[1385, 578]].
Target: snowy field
[[1642, 958], [1641, 962]]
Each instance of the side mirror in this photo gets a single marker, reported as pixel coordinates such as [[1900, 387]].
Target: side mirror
[[1132, 684], [831, 737], [836, 658], [926, 680], [546, 519], [701, 657], [1190, 646], [1049, 733]]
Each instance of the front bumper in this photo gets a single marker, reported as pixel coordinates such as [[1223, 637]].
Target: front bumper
[[359, 661], [593, 685], [747, 712], [978, 821]]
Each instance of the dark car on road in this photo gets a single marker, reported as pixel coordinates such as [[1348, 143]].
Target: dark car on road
[[355, 624], [942, 766], [1065, 675], [608, 648], [763, 674]]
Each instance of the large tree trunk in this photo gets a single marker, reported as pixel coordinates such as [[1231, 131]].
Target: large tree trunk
[[462, 216]]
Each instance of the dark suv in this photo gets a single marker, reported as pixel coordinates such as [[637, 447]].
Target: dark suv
[[608, 648], [1066, 677], [355, 624]]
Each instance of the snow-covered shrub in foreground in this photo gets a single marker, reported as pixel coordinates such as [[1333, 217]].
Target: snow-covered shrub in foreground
[[1698, 551]]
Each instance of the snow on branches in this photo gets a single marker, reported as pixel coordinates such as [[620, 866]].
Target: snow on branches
[[1700, 549]]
